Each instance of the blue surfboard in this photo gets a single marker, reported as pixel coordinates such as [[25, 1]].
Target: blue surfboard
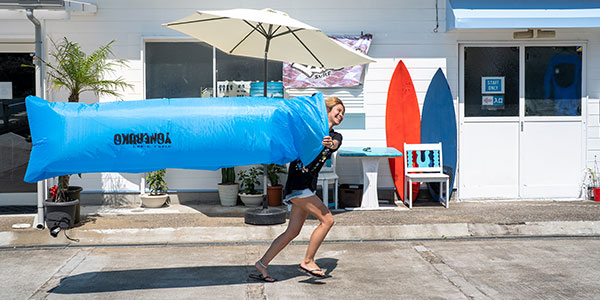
[[438, 124]]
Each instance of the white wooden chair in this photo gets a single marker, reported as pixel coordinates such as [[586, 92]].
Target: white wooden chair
[[423, 163], [327, 175]]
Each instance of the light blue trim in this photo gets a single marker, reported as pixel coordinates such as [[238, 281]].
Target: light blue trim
[[137, 191], [353, 121], [506, 14], [369, 151]]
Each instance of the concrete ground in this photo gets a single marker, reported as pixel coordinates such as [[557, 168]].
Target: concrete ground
[[212, 223], [477, 268]]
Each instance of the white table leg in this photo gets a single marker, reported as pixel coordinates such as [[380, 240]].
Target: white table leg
[[370, 201], [370, 167]]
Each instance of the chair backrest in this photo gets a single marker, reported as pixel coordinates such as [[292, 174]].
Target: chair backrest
[[423, 158], [329, 166]]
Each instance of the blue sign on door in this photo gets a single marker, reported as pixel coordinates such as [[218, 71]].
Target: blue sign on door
[[492, 85]]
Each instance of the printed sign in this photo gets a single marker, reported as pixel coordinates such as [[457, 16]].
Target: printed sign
[[227, 88], [302, 76], [492, 85], [492, 101], [6, 90]]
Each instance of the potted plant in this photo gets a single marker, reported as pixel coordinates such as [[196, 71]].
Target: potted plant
[[593, 181], [158, 189], [59, 206], [228, 188], [75, 71], [275, 189], [249, 178]]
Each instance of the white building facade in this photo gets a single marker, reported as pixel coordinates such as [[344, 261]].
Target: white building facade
[[535, 142]]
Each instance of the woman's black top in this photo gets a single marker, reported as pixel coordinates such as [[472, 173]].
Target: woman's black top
[[305, 177]]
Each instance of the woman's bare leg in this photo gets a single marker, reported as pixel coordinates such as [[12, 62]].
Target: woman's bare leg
[[297, 218], [315, 207]]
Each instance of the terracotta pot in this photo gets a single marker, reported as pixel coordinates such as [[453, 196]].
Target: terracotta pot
[[274, 195]]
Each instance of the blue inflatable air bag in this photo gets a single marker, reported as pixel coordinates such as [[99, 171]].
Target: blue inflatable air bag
[[187, 133]]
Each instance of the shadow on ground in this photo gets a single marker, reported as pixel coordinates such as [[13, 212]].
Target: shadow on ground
[[161, 278]]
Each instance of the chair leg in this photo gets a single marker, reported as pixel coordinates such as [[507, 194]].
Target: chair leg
[[447, 193], [335, 193], [409, 193], [405, 191], [440, 192]]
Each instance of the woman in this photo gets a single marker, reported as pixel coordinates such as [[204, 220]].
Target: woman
[[300, 193]]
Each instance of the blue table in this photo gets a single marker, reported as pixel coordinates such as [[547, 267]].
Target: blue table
[[369, 157]]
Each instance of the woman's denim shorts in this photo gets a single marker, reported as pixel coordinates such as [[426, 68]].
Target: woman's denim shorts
[[297, 194]]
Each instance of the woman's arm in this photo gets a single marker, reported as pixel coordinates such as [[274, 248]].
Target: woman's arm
[[332, 143]]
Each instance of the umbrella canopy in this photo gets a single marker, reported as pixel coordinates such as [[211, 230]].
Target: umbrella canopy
[[254, 33], [268, 34]]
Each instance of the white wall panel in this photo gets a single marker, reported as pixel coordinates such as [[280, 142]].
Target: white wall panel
[[401, 30]]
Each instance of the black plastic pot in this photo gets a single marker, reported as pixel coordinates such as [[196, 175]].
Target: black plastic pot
[[61, 214], [74, 193]]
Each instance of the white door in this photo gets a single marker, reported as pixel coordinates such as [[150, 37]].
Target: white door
[[552, 131], [521, 130]]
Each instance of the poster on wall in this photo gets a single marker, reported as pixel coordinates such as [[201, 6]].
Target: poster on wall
[[302, 76]]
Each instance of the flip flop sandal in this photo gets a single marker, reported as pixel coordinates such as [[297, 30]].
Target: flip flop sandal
[[260, 277], [312, 272]]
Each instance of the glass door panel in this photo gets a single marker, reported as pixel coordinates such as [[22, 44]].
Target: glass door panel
[[553, 81], [17, 81], [497, 69]]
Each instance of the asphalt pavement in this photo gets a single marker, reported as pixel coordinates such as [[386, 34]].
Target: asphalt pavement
[[476, 268], [210, 223]]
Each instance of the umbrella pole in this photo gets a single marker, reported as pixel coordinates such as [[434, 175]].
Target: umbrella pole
[[265, 82], [265, 215], [265, 204]]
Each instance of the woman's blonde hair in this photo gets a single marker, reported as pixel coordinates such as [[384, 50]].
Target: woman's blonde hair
[[330, 102]]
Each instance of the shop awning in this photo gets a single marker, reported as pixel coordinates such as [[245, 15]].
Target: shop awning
[[503, 14]]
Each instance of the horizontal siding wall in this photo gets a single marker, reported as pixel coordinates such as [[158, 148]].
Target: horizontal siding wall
[[402, 30]]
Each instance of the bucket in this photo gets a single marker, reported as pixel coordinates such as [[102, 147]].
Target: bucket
[[274, 89], [350, 195], [596, 193]]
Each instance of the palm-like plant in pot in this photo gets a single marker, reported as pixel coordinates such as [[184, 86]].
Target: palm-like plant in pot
[[157, 187], [73, 70], [275, 189], [249, 178], [228, 188]]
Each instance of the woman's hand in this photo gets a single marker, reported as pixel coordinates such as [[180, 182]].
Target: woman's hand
[[329, 142]]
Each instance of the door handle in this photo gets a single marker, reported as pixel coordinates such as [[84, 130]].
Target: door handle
[[521, 126]]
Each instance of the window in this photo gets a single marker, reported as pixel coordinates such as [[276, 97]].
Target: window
[[178, 70], [185, 69], [233, 67]]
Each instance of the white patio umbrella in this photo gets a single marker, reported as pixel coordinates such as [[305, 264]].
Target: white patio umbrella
[[270, 34]]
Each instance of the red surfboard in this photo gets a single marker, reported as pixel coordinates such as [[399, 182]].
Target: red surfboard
[[402, 123]]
